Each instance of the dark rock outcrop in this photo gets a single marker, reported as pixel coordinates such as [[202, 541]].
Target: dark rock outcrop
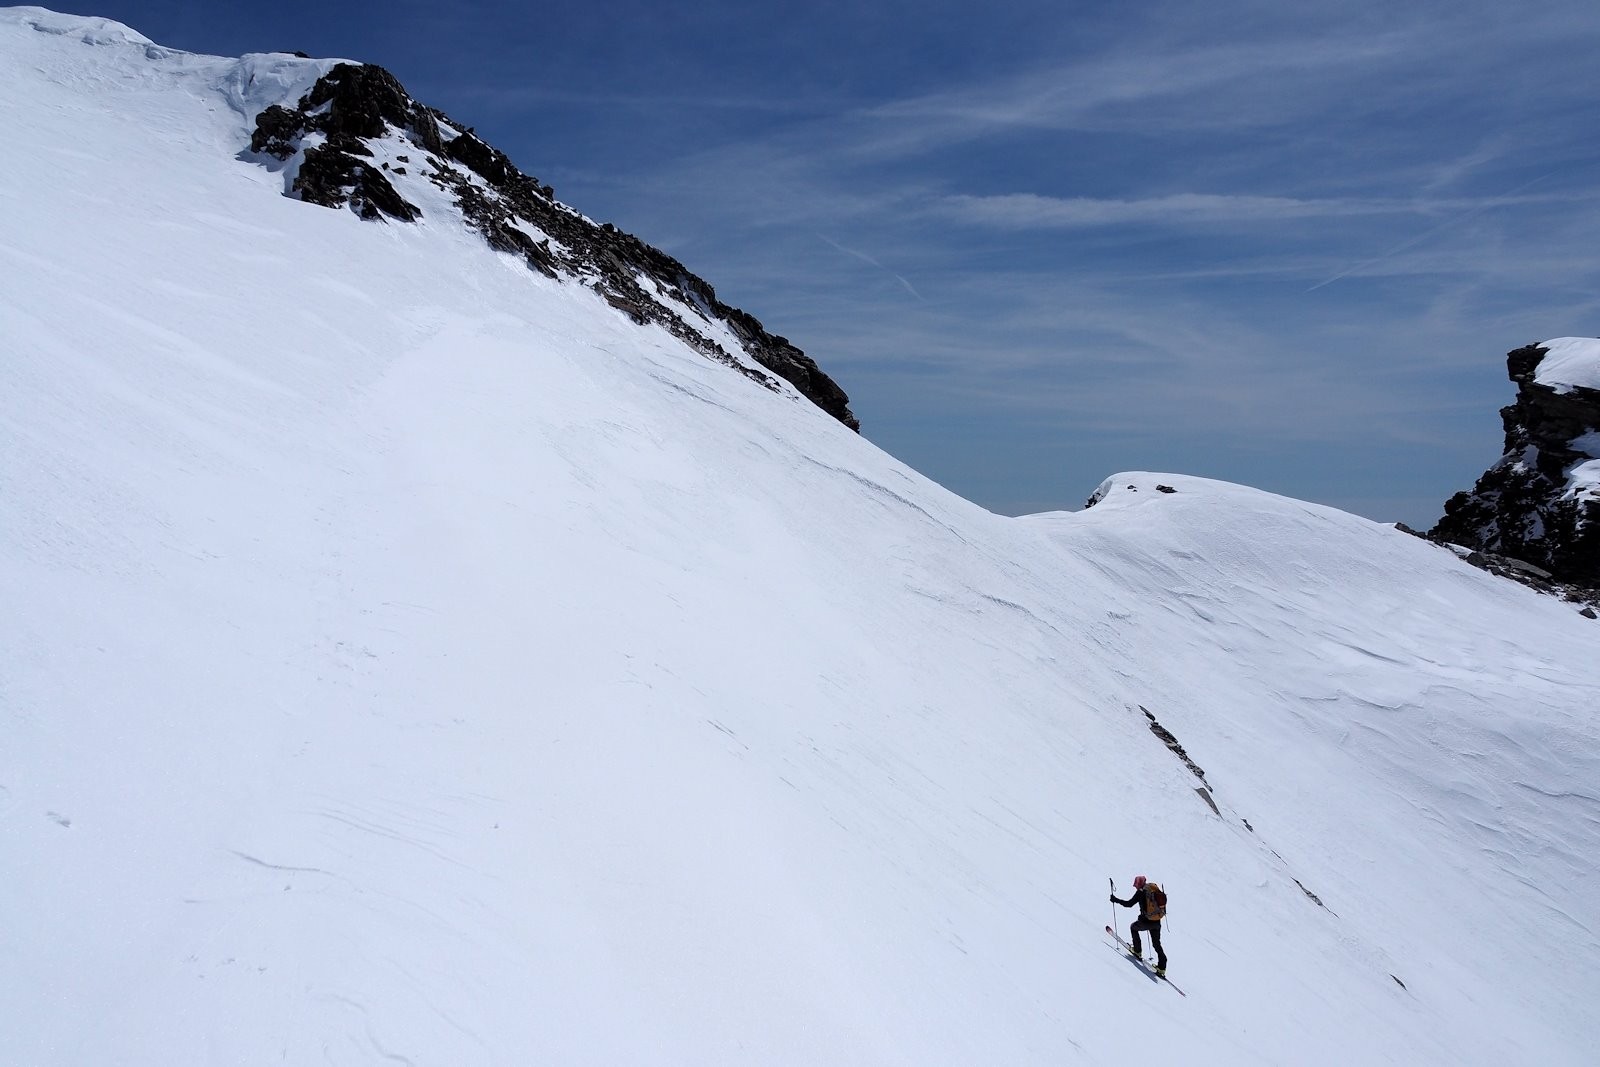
[[349, 142], [1176, 749], [1527, 517], [361, 103]]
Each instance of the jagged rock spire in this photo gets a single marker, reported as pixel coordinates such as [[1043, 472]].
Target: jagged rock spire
[[1541, 503]]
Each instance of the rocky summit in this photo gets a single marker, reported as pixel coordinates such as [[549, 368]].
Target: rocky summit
[[1538, 508], [358, 139]]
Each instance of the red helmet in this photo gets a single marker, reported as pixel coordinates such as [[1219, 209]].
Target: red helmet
[[1138, 881]]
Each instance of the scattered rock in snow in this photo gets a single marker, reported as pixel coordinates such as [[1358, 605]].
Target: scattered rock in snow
[[1165, 489], [1521, 572], [1204, 790], [1104, 489], [1172, 744], [1314, 898]]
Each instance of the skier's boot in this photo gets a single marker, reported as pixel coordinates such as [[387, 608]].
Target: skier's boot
[[1161, 971]]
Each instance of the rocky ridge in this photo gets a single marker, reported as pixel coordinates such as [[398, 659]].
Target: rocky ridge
[[1535, 515], [357, 139]]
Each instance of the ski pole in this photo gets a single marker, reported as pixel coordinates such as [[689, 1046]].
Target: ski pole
[[1113, 882]]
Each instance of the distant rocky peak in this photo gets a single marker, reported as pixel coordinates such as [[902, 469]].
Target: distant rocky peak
[[357, 139], [1540, 504]]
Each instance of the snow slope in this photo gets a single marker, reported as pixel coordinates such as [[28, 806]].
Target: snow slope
[[407, 658]]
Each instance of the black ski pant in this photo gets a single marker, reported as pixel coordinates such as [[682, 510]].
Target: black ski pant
[[1153, 928]]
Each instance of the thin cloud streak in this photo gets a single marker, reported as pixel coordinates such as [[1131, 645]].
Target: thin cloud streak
[[527, 96], [869, 260], [1093, 93], [1187, 83], [1028, 210], [1447, 224]]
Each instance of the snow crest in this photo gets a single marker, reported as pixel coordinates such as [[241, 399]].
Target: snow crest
[[1570, 362], [87, 30]]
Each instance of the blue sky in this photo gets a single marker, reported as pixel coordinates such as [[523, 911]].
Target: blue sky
[[1039, 243]]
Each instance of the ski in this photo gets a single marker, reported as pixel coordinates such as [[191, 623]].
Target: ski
[[1127, 950]]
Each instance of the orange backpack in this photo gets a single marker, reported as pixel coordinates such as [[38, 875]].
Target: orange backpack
[[1155, 902]]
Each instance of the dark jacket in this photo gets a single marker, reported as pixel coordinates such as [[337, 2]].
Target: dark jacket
[[1140, 898]]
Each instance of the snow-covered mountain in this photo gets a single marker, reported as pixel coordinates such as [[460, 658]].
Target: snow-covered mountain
[[410, 656]]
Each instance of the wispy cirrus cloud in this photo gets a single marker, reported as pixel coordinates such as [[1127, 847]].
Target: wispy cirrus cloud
[[1030, 210], [1211, 84], [1186, 73]]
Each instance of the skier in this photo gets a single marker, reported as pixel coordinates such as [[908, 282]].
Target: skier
[[1152, 909]]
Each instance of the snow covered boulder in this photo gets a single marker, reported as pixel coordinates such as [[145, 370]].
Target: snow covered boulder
[[1541, 502]]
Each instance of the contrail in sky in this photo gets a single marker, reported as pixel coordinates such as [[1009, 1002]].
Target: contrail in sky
[[1424, 235], [868, 259]]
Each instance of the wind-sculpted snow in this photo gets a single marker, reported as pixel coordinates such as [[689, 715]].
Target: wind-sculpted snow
[[1570, 363], [408, 659]]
